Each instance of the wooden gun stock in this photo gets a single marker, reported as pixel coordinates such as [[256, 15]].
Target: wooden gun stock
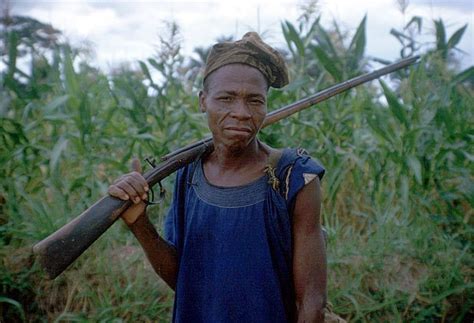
[[56, 252], [60, 249]]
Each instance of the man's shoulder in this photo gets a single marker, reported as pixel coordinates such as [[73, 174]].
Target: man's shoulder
[[298, 162], [296, 169]]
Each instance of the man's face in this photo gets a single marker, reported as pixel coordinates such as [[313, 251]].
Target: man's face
[[236, 104]]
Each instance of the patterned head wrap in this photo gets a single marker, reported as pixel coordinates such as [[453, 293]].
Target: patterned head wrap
[[250, 50]]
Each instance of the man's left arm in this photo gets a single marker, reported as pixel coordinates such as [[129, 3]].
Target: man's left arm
[[309, 255]]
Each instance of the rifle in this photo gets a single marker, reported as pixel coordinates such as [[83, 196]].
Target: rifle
[[57, 251]]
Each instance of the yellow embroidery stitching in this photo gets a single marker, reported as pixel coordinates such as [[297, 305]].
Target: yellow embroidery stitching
[[272, 179]]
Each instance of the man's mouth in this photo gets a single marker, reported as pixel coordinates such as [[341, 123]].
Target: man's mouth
[[239, 129]]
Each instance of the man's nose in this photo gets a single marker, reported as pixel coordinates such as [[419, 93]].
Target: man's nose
[[241, 110]]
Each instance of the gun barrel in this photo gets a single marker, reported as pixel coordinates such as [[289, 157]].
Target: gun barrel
[[309, 101]]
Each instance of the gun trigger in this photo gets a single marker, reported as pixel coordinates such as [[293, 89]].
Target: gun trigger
[[151, 195]]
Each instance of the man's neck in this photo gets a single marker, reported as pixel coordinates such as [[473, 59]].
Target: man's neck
[[230, 167], [230, 158]]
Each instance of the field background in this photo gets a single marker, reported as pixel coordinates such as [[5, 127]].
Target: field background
[[398, 193]]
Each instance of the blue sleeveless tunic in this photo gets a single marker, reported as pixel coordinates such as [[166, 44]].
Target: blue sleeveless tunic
[[234, 244]]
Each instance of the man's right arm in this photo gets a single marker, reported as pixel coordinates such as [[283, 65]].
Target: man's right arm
[[162, 255]]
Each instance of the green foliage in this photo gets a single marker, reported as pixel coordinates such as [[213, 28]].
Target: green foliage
[[398, 193]]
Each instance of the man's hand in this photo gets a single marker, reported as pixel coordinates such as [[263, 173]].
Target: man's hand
[[131, 186]]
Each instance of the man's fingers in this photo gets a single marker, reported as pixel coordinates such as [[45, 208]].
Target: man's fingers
[[130, 190], [131, 186], [139, 184], [136, 166], [117, 192]]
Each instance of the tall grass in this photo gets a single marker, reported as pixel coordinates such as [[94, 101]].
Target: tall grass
[[398, 194]]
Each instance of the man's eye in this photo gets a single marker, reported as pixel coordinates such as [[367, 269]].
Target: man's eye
[[257, 102], [225, 99]]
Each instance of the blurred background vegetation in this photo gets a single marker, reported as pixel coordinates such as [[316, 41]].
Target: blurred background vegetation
[[398, 194]]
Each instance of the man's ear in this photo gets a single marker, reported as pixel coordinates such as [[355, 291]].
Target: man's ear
[[202, 101]]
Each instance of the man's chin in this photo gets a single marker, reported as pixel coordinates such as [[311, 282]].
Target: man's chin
[[236, 150], [237, 147]]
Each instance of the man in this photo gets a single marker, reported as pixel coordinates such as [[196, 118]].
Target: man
[[243, 236]]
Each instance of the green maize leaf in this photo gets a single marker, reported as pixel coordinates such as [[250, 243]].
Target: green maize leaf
[[309, 37], [456, 37], [455, 290], [286, 35], [400, 36], [55, 103], [158, 66], [334, 182], [440, 35], [15, 304], [72, 85], [294, 86], [397, 109], [374, 307], [324, 40], [78, 183], [415, 20], [45, 219], [144, 136], [466, 75], [411, 139], [12, 53], [427, 117], [12, 132], [381, 61], [57, 116], [404, 191], [145, 71], [291, 35], [357, 46], [327, 63], [14, 86], [58, 148], [415, 166], [354, 302], [379, 133], [85, 120]]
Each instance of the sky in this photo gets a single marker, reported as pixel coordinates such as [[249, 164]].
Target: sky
[[126, 31]]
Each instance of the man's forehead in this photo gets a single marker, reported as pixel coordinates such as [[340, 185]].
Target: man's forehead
[[238, 70], [234, 77]]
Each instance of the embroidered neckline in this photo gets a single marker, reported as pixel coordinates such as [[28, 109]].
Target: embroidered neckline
[[235, 196]]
